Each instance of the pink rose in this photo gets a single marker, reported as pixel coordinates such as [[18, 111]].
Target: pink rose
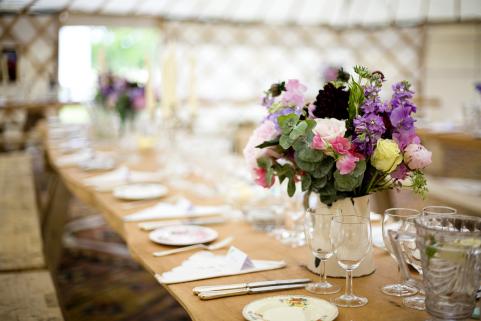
[[346, 163], [329, 128], [341, 145], [261, 178], [416, 156], [266, 131], [318, 143]]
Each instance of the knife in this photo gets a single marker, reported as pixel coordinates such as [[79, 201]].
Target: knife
[[208, 295], [149, 226], [210, 288]]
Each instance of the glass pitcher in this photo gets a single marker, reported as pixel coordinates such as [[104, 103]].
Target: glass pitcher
[[450, 251]]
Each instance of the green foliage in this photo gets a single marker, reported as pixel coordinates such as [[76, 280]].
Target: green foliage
[[269, 143], [306, 181], [347, 183], [356, 98], [419, 183]]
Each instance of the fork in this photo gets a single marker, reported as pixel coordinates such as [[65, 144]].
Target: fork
[[212, 247]]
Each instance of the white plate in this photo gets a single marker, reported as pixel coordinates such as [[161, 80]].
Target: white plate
[[290, 308], [180, 235], [134, 192]]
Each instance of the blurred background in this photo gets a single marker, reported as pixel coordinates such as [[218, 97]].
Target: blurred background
[[204, 65]]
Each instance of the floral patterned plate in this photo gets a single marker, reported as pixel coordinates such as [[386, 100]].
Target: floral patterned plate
[[180, 235], [290, 308]]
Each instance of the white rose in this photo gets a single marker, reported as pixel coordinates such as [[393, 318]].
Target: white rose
[[329, 128]]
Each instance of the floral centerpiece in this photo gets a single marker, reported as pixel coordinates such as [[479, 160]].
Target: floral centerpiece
[[120, 95], [344, 146], [347, 143]]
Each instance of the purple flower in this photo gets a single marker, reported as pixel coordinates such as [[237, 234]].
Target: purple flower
[[137, 97], [368, 129], [294, 95], [267, 101], [372, 102], [478, 87], [401, 172], [400, 116]]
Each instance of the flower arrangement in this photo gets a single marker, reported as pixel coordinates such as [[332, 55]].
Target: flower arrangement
[[121, 95], [347, 143]]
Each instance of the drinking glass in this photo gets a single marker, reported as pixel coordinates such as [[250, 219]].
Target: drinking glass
[[317, 226], [437, 209], [407, 252], [395, 219], [450, 247], [351, 241], [413, 255]]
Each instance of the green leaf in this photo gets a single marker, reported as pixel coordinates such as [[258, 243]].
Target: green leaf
[[299, 144], [319, 183], [305, 166], [298, 131], [264, 162], [346, 183], [291, 187], [306, 182], [323, 168], [356, 98], [328, 189], [286, 141], [287, 122], [360, 168], [430, 251], [308, 154], [269, 143]]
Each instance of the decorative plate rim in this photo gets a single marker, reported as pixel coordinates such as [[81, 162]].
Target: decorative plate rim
[[244, 310], [214, 233]]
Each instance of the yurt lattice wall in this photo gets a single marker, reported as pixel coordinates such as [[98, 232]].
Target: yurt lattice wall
[[234, 62], [35, 38]]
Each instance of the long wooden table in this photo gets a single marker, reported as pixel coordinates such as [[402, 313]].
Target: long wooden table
[[257, 244]]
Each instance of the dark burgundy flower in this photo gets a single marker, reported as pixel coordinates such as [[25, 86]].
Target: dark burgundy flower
[[332, 102]]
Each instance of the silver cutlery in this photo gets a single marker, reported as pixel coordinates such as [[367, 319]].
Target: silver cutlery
[[212, 247], [204, 288], [149, 226], [214, 294]]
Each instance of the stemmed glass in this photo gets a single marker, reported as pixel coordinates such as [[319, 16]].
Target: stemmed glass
[[395, 219], [351, 241], [414, 256], [317, 226]]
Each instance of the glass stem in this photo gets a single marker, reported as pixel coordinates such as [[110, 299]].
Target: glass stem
[[348, 283], [322, 271]]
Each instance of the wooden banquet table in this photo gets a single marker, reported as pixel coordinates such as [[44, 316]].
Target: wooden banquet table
[[256, 244]]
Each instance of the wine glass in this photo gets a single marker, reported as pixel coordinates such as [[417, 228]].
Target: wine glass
[[395, 219], [412, 256], [317, 226], [351, 241]]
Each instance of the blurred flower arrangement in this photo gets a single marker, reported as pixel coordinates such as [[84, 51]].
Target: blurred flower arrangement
[[120, 95], [347, 143]]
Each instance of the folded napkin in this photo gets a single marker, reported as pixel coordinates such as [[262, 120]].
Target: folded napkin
[[183, 208], [206, 265], [122, 175], [74, 159]]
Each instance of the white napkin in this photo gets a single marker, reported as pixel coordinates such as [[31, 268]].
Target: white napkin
[[183, 208], [122, 175], [206, 265], [73, 159]]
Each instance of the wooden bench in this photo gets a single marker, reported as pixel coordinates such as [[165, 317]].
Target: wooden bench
[[27, 291]]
